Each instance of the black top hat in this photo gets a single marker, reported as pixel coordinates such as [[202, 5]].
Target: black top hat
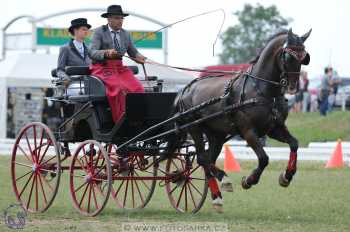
[[79, 22], [114, 10]]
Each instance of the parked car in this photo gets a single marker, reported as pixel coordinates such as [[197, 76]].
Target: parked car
[[343, 92]]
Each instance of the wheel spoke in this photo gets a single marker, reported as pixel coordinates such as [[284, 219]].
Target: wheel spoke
[[176, 186], [79, 176], [25, 186], [175, 164], [31, 191], [191, 195], [24, 153], [89, 198], [195, 188], [144, 183], [98, 158], [185, 197], [94, 195], [41, 141], [91, 156], [46, 181], [24, 165], [126, 192], [42, 188], [138, 190], [132, 193], [82, 165], [30, 148], [82, 198], [46, 149], [36, 193], [119, 188], [178, 201], [76, 190], [23, 175], [195, 169], [34, 151]]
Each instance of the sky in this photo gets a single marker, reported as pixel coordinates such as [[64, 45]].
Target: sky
[[191, 42]]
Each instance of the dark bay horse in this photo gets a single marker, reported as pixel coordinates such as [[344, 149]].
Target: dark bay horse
[[263, 109]]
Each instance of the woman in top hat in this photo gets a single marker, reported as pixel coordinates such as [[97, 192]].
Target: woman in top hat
[[108, 45], [75, 53]]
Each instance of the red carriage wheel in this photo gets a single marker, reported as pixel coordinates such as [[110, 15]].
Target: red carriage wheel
[[133, 179], [90, 178], [187, 186], [35, 167]]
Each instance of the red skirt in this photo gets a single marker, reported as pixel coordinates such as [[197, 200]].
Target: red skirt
[[119, 80]]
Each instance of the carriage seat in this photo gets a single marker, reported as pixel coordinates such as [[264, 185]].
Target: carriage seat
[[84, 87], [85, 70]]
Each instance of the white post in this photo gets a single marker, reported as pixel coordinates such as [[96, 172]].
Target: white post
[[165, 44], [343, 102]]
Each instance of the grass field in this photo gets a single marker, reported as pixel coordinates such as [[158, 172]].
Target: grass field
[[311, 127], [317, 200]]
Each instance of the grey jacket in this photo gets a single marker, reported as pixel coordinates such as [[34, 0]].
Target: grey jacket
[[102, 40], [70, 56]]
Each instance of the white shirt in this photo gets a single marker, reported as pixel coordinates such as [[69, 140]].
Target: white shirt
[[79, 46]]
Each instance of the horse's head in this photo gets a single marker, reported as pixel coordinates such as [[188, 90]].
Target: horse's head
[[290, 59]]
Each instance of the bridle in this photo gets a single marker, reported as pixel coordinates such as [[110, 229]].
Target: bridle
[[298, 53]]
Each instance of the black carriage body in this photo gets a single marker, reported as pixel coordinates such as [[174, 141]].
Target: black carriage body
[[87, 113]]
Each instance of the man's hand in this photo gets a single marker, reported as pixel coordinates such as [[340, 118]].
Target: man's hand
[[139, 59], [111, 54]]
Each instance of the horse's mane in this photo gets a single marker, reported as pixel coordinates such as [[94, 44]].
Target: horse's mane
[[280, 32]]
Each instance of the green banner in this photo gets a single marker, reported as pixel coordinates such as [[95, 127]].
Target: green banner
[[60, 36]]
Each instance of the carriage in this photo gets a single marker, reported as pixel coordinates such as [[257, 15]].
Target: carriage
[[108, 160]]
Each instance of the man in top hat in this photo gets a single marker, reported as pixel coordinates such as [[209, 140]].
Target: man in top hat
[[108, 45]]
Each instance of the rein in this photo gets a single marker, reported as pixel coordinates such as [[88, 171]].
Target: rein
[[282, 83]]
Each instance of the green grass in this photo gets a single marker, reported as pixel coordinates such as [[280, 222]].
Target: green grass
[[311, 127], [317, 200]]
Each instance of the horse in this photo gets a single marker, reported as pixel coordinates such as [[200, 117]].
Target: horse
[[261, 110]]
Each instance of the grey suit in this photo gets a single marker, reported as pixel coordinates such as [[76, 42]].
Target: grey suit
[[70, 56], [102, 40]]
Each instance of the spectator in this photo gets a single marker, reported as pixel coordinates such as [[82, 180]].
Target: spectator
[[334, 89], [326, 84], [298, 98], [304, 85]]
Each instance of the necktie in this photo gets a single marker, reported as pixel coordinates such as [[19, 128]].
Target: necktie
[[115, 41]]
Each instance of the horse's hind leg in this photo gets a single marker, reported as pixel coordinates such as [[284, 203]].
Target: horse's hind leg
[[282, 134], [203, 159], [254, 142]]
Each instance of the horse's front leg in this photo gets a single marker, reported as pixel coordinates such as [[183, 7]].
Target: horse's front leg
[[204, 160], [282, 134], [216, 142], [254, 142]]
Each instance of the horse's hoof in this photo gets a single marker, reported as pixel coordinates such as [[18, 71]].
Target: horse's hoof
[[244, 183], [218, 208], [283, 181], [227, 187]]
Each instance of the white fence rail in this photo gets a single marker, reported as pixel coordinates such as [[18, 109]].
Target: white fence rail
[[315, 151]]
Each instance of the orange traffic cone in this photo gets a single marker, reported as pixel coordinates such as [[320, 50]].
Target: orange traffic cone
[[230, 163], [336, 160]]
